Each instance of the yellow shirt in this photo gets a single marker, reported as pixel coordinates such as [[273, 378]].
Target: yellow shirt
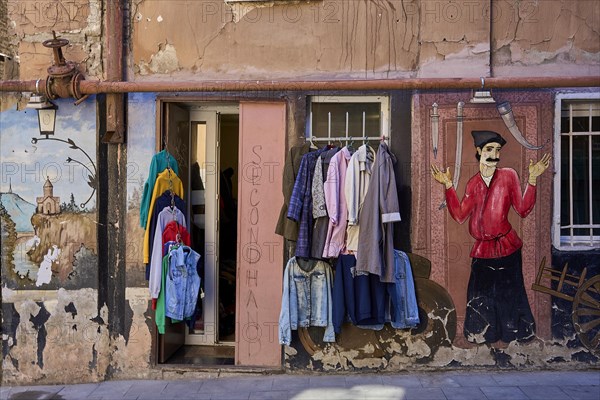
[[160, 186]]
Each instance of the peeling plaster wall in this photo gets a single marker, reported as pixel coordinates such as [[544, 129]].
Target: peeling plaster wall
[[53, 337], [534, 38], [31, 22], [272, 40], [364, 39]]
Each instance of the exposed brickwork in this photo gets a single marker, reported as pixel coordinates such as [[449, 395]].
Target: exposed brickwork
[[3, 34]]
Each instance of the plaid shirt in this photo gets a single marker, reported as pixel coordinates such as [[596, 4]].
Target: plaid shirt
[[300, 208]]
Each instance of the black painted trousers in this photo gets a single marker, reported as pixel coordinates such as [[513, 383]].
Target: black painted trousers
[[497, 305]]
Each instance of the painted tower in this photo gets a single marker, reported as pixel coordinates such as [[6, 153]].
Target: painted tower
[[48, 204]]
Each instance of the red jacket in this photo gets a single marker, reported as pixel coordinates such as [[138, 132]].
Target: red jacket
[[488, 209]]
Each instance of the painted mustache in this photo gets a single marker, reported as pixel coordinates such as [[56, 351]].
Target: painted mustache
[[493, 159]]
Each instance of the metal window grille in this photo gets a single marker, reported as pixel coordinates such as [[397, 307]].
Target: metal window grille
[[578, 175], [348, 119]]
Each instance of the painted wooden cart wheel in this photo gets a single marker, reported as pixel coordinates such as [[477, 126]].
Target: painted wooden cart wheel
[[437, 314], [586, 314]]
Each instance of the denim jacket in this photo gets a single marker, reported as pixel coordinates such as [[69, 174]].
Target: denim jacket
[[404, 310], [306, 299], [183, 283]]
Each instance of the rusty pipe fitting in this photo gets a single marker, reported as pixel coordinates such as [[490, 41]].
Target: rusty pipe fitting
[[63, 77]]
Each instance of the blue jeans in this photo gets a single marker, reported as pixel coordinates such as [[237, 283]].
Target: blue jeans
[[183, 283], [404, 310]]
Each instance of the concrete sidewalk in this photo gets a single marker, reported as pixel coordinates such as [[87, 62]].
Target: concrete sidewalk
[[453, 385]]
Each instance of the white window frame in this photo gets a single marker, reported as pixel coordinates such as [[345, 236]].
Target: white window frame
[[384, 118], [562, 242]]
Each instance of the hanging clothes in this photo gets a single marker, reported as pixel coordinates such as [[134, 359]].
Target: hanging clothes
[[160, 161], [354, 296], [306, 299], [174, 232], [167, 215], [183, 283], [335, 199], [161, 202], [286, 227], [321, 220], [357, 182], [166, 180], [300, 208], [368, 302], [380, 209], [404, 311]]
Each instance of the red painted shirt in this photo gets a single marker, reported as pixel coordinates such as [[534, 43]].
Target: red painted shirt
[[488, 208]]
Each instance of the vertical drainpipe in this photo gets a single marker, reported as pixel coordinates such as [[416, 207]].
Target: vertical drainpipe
[[112, 182], [491, 16]]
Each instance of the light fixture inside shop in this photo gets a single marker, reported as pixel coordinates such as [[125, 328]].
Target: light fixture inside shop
[[46, 111]]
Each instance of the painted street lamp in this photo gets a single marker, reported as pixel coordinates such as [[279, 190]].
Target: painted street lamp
[[46, 111]]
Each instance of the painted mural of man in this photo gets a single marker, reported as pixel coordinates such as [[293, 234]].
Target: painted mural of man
[[497, 305]]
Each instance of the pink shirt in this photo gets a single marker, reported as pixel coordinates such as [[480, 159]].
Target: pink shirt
[[335, 200]]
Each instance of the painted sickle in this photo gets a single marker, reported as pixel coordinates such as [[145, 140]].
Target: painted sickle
[[509, 120], [459, 145]]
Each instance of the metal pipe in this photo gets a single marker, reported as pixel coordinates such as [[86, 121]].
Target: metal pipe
[[96, 87]]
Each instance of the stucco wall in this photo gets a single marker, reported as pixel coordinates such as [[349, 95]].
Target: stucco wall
[[50, 334], [434, 38], [31, 22]]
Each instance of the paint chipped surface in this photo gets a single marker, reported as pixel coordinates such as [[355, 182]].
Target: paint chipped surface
[[546, 37], [51, 341], [164, 61]]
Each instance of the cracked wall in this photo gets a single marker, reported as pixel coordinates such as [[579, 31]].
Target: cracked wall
[[364, 39], [533, 38], [31, 22]]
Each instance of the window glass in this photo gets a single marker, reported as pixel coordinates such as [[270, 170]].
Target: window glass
[[322, 113], [579, 183], [565, 197]]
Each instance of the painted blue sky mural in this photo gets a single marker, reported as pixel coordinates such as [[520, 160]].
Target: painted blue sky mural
[[68, 158], [141, 137]]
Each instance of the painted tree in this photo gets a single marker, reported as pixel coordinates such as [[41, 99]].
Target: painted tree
[[8, 234]]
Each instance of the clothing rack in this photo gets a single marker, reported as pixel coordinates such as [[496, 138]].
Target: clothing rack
[[347, 138]]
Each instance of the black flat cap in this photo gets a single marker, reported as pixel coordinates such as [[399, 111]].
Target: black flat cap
[[481, 138]]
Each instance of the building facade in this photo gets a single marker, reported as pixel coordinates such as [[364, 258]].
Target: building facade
[[75, 300]]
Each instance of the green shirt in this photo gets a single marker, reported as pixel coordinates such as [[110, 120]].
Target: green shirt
[[159, 163]]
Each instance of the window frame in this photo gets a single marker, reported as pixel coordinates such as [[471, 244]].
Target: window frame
[[557, 239], [383, 100]]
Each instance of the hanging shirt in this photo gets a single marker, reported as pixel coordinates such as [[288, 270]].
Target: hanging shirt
[[286, 227], [166, 215], [357, 182], [159, 163], [380, 209], [161, 202], [300, 208], [170, 234], [321, 220], [164, 181], [335, 200], [488, 208]]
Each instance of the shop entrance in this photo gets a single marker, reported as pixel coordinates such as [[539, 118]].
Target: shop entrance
[[230, 157], [204, 139]]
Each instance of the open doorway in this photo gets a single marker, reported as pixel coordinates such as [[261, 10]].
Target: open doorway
[[204, 139]]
